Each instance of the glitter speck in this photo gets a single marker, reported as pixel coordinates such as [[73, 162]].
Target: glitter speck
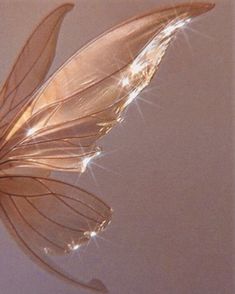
[[92, 234], [73, 246], [125, 82], [46, 250], [30, 131], [85, 162]]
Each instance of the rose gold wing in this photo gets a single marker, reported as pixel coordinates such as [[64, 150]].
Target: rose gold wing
[[45, 216], [85, 98], [50, 217], [30, 67], [58, 129]]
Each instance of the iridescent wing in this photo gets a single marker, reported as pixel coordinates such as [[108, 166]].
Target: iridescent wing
[[50, 217], [85, 98]]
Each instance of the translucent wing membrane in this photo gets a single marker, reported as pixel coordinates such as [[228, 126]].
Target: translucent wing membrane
[[50, 217], [85, 98], [56, 127], [30, 67]]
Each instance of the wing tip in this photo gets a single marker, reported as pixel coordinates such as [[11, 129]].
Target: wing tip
[[66, 7], [199, 8], [191, 10], [98, 286]]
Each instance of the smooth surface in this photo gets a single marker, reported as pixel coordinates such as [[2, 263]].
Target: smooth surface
[[168, 172]]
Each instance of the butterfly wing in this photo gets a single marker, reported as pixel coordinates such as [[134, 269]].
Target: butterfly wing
[[85, 98], [50, 217], [30, 67]]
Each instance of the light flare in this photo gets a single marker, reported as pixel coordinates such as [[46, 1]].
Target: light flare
[[73, 246], [30, 131], [137, 67], [90, 234], [93, 234], [132, 96], [125, 82], [88, 159], [170, 29]]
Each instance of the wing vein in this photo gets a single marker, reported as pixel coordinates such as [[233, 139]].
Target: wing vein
[[52, 220], [57, 196], [32, 227], [40, 259], [29, 70]]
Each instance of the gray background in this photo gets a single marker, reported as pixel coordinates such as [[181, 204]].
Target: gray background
[[167, 171]]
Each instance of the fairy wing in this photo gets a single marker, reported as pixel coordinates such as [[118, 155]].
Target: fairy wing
[[45, 216], [58, 128], [30, 67], [50, 217], [85, 98]]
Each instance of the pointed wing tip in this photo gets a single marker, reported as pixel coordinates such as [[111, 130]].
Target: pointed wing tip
[[199, 8], [188, 9], [67, 6], [98, 285]]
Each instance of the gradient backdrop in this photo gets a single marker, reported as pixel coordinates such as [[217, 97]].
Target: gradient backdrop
[[167, 171]]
